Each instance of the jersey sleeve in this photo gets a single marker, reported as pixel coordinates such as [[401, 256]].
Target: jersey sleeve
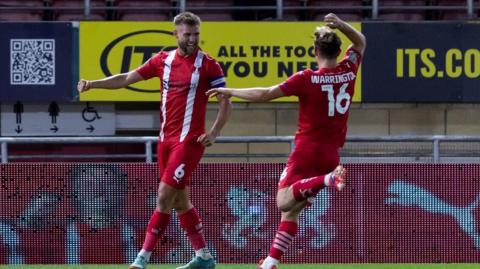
[[354, 56], [215, 75], [294, 85], [150, 68]]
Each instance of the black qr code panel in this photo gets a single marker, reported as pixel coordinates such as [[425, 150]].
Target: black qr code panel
[[32, 61]]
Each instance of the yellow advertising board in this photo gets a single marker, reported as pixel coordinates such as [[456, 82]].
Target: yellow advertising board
[[250, 53]]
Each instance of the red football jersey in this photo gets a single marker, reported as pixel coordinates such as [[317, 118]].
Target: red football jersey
[[183, 81], [324, 97]]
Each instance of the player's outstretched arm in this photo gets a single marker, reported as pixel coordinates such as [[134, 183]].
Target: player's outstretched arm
[[258, 94], [112, 82], [358, 39]]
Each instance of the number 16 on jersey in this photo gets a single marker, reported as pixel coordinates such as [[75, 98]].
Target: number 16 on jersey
[[335, 102]]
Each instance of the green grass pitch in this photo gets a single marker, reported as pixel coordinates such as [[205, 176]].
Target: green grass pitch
[[252, 266]]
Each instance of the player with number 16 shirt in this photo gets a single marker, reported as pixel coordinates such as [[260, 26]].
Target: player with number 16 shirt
[[324, 98]]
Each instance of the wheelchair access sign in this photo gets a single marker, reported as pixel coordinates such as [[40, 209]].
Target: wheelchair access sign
[[54, 119]]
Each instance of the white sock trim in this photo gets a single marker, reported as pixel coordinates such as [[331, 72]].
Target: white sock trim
[[203, 253], [269, 261], [328, 179], [145, 254]]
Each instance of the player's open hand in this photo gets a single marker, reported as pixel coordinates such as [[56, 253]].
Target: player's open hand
[[207, 139], [219, 92], [333, 21], [83, 85]]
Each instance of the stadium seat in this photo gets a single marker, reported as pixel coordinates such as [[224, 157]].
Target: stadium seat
[[350, 10], [73, 10], [391, 10], [477, 8], [296, 14], [28, 10], [458, 11], [254, 14], [21, 17], [213, 14], [145, 10]]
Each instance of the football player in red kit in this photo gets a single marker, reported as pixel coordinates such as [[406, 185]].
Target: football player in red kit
[[324, 100], [185, 73]]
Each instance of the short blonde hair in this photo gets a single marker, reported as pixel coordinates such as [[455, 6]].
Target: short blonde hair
[[327, 42], [187, 18]]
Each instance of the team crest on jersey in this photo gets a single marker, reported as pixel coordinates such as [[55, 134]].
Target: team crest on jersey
[[352, 57]]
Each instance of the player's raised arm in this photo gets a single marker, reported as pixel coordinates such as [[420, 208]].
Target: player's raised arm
[[258, 94], [358, 39], [112, 82]]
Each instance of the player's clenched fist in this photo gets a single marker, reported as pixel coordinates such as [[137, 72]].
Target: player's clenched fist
[[83, 85], [206, 139], [219, 92], [333, 21]]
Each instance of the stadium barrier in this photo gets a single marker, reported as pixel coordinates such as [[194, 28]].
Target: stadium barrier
[[97, 213], [357, 149]]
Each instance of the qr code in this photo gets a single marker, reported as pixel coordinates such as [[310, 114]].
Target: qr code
[[32, 61]]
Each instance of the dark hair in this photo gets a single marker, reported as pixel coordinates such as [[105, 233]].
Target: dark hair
[[327, 42], [187, 18]]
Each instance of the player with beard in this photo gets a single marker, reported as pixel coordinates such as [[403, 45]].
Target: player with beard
[[185, 75]]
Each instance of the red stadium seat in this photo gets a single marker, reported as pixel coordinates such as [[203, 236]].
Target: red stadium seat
[[476, 10], [223, 14], [73, 10], [145, 10], [253, 13], [294, 14], [458, 11], [392, 10], [28, 10], [350, 10], [21, 17]]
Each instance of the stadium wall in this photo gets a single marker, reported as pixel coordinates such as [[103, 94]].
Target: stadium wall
[[427, 85], [366, 119], [97, 213]]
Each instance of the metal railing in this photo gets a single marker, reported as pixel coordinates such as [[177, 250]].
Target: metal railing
[[148, 141], [434, 152], [374, 7]]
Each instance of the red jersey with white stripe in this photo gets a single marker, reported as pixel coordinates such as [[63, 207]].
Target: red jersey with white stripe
[[324, 100], [184, 81]]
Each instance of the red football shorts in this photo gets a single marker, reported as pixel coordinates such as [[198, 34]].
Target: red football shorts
[[177, 160], [309, 160]]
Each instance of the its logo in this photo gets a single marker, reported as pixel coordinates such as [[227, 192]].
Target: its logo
[[133, 45]]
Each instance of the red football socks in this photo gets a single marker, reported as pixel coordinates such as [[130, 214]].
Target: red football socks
[[155, 229], [192, 224], [285, 234]]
